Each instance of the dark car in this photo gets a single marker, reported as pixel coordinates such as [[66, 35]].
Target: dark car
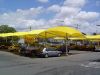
[[3, 47], [27, 50]]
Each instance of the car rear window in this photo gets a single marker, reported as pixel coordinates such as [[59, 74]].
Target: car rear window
[[50, 49]]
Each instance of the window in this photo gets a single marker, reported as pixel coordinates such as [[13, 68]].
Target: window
[[50, 49]]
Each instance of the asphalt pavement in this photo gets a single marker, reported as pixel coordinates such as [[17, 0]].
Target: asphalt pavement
[[78, 63]]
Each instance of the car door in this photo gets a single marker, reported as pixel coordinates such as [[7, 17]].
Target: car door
[[55, 52], [51, 51]]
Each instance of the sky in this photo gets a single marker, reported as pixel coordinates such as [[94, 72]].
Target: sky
[[40, 14]]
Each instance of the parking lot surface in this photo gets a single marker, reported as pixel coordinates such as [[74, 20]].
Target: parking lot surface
[[77, 63]]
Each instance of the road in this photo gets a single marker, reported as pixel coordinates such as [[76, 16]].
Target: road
[[80, 63]]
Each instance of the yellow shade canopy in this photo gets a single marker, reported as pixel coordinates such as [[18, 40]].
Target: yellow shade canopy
[[87, 37], [6, 34], [61, 31], [58, 38], [34, 32], [76, 38], [13, 34], [93, 37], [20, 33]]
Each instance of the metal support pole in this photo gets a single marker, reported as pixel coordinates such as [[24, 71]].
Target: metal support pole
[[12, 40], [98, 44], [30, 28], [45, 39], [66, 44], [6, 39]]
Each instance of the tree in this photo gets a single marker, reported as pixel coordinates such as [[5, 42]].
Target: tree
[[6, 29], [94, 33]]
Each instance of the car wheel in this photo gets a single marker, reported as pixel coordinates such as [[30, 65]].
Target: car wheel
[[59, 55], [46, 56]]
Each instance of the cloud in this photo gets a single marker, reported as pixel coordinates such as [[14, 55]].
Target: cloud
[[32, 12], [21, 18], [74, 3], [43, 1], [35, 24], [19, 14], [69, 14], [87, 16], [54, 8]]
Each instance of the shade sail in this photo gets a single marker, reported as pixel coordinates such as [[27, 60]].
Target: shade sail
[[33, 33], [58, 38], [6, 34], [93, 37], [20, 33], [61, 31], [78, 38], [36, 32], [13, 34]]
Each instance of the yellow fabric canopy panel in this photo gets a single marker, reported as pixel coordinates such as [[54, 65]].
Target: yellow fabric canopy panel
[[61, 38], [83, 38], [61, 31], [93, 37], [6, 34], [33, 33]]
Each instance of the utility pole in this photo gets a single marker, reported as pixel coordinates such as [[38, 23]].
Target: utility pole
[[97, 30], [97, 25], [60, 22], [77, 26], [30, 28]]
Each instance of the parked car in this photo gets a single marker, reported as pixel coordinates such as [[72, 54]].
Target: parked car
[[90, 47], [3, 47], [48, 52]]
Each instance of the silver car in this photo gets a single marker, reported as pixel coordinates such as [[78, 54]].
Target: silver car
[[47, 52]]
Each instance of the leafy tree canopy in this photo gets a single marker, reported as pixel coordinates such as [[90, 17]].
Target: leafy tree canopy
[[6, 29], [94, 34]]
